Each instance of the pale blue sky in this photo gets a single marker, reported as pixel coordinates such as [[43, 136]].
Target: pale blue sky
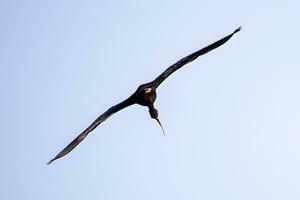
[[235, 134]]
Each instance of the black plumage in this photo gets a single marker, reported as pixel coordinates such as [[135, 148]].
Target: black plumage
[[145, 95]]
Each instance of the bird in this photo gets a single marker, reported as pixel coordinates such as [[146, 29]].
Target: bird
[[145, 95]]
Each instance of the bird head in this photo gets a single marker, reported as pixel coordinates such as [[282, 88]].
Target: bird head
[[154, 114]]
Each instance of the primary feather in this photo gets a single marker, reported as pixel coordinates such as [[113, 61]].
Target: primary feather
[[190, 58]]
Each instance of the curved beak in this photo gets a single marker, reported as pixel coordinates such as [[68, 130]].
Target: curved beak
[[157, 119]]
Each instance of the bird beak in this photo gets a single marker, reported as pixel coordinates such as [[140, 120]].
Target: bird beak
[[157, 119]]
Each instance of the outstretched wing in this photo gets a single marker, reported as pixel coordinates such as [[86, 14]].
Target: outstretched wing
[[190, 58], [98, 121]]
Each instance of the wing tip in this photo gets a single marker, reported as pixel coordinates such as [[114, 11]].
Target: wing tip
[[50, 161], [238, 29]]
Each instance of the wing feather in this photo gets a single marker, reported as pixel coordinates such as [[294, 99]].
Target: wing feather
[[96, 123], [190, 58]]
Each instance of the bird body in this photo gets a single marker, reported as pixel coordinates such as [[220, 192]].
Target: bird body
[[145, 95]]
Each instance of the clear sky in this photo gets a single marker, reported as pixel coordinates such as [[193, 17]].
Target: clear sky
[[231, 117]]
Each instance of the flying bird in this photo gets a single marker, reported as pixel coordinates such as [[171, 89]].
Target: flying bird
[[145, 95]]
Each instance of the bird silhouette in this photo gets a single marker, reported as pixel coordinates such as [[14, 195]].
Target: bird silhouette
[[145, 95]]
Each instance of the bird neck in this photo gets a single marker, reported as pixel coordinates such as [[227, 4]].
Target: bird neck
[[151, 107], [153, 112]]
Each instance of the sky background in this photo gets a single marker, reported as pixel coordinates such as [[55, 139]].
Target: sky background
[[231, 117]]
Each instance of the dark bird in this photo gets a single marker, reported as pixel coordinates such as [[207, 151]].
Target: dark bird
[[145, 95]]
